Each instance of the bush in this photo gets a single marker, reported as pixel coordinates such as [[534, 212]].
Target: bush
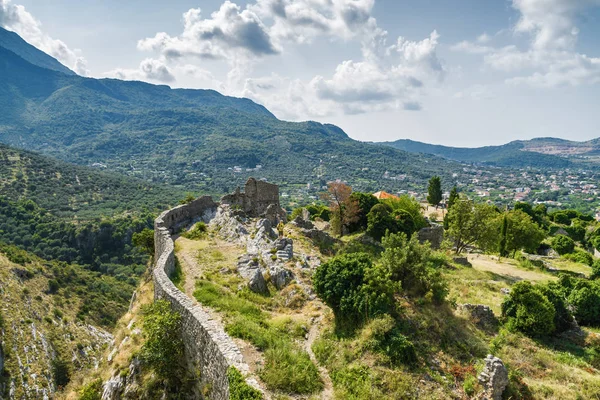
[[414, 265], [383, 336], [197, 232], [580, 256], [563, 244], [290, 370], [239, 389], [595, 269], [529, 311], [163, 348], [60, 372], [91, 391], [380, 221], [563, 319], [353, 287], [585, 299], [144, 240]]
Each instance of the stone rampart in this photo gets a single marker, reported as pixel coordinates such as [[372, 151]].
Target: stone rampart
[[208, 349]]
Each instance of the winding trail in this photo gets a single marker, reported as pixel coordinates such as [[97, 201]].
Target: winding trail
[[187, 254], [313, 333]]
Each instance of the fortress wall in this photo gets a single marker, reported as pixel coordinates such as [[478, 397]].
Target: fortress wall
[[208, 349]]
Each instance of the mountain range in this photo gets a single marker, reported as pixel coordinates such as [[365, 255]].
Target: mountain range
[[197, 138], [205, 141], [539, 152]]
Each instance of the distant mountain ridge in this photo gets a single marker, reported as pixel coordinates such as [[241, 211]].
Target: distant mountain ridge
[[197, 138], [538, 152], [13, 42]]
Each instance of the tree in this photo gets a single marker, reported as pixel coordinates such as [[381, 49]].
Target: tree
[[434, 195], [365, 202], [343, 208], [522, 233], [144, 240], [453, 197], [503, 233], [470, 224]]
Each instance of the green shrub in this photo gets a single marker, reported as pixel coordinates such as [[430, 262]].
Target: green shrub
[[469, 385], [414, 266], [144, 240], [353, 287], [91, 391], [595, 269], [290, 370], [563, 244], [197, 232], [563, 319], [528, 310], [163, 348], [580, 256], [382, 335], [61, 372], [239, 389], [585, 299]]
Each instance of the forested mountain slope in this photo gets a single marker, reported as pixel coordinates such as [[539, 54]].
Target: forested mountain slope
[[191, 137]]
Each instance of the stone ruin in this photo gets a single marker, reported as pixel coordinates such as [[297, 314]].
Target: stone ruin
[[259, 199]]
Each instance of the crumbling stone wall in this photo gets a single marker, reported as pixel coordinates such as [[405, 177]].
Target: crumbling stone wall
[[208, 349], [255, 199]]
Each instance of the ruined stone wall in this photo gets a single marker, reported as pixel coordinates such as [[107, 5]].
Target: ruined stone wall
[[255, 199], [208, 348]]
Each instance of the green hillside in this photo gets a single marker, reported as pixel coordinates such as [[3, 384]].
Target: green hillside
[[68, 190], [185, 137]]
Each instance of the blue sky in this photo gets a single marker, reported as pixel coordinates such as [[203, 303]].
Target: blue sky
[[461, 73]]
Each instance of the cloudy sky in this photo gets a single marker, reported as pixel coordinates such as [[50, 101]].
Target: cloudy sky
[[460, 72]]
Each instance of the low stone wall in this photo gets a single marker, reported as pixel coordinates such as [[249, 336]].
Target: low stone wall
[[208, 349]]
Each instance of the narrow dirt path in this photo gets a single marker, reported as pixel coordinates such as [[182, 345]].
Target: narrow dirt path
[[512, 272], [313, 333]]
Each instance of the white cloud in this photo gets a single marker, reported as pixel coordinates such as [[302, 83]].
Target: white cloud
[[387, 76], [149, 69], [229, 32], [550, 58], [14, 17]]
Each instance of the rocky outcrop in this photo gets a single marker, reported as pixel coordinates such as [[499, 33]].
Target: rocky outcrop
[[249, 268], [280, 276], [208, 348], [123, 387], [494, 378]]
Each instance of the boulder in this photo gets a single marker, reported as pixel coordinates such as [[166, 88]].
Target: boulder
[[249, 269], [462, 261], [280, 276], [494, 378]]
